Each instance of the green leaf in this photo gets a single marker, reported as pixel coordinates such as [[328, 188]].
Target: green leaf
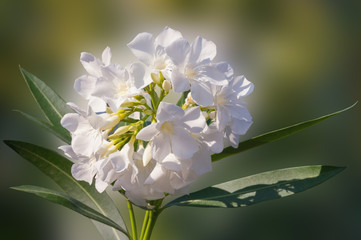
[[272, 136], [258, 188], [71, 203], [46, 126], [182, 99], [58, 169], [52, 105]]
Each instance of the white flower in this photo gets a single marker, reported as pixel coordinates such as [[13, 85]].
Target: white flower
[[151, 51], [109, 83], [172, 132], [193, 69], [231, 111]]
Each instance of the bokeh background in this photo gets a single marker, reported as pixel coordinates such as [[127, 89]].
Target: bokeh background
[[302, 56]]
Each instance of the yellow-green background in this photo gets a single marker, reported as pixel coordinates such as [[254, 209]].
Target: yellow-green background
[[302, 56]]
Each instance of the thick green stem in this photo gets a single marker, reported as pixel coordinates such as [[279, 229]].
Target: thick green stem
[[132, 220]]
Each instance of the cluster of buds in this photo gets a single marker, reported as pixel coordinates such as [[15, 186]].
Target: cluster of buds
[[132, 138]]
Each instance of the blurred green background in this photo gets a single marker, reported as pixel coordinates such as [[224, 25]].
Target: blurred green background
[[302, 56]]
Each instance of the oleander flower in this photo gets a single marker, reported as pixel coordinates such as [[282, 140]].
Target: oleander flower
[[172, 132], [193, 69], [151, 51]]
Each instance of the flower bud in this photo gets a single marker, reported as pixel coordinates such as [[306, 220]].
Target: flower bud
[[147, 155], [189, 99], [155, 78], [148, 111], [110, 122], [166, 85]]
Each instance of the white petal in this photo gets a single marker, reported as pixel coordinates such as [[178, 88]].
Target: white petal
[[139, 75], [178, 51], [213, 75], [225, 68], [91, 64], [167, 36], [240, 127], [194, 119], [70, 121], [100, 185], [83, 171], [202, 51], [202, 162], [201, 94], [85, 86], [223, 117], [171, 162], [147, 133], [179, 81], [68, 151], [143, 47], [106, 56], [242, 86], [157, 173], [97, 104], [168, 111], [183, 144], [161, 146]]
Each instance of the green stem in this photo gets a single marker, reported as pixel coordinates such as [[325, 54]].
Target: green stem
[[132, 220], [145, 223], [153, 215]]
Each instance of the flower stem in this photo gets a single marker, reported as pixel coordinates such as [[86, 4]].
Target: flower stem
[[132, 220], [145, 223], [153, 215]]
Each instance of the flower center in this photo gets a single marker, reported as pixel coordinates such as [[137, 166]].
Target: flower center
[[221, 99], [160, 63], [189, 72], [167, 127], [122, 89]]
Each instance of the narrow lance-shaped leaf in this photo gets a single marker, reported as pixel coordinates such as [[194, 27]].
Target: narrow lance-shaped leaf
[[258, 188], [45, 125], [58, 169], [71, 203], [52, 105], [272, 136]]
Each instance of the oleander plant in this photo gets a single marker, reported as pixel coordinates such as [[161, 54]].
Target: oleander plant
[[132, 138]]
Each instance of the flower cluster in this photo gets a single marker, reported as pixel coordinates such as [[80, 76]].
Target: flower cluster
[[131, 138]]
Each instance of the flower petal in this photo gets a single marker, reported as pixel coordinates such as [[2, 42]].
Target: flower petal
[[167, 36], [139, 75], [178, 51], [194, 120], [179, 81], [143, 47], [183, 144], [168, 111], [85, 85], [91, 64], [161, 146], [202, 51], [147, 133], [201, 94], [106, 56]]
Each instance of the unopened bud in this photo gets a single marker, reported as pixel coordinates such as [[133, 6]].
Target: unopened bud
[[155, 78], [166, 85], [110, 122], [189, 99], [148, 111], [127, 104], [147, 155], [121, 130]]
